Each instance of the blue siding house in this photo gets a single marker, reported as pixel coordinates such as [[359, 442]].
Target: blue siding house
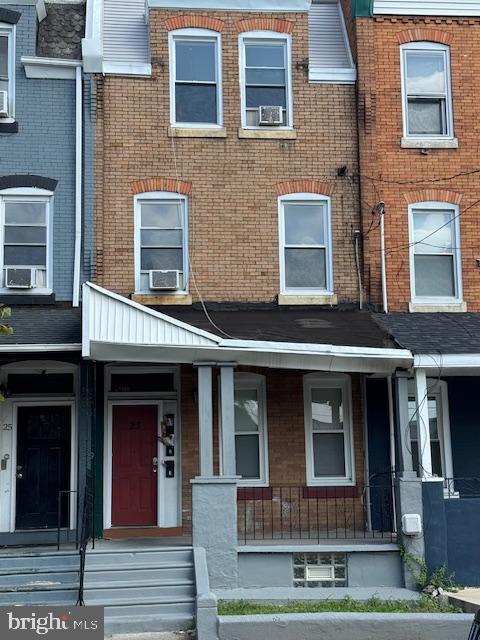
[[46, 199]]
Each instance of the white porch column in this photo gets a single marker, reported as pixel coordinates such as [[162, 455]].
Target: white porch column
[[228, 419], [424, 449], [205, 418]]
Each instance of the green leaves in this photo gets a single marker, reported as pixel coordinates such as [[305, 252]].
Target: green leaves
[[5, 329]]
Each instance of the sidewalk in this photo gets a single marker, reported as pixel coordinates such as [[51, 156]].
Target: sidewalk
[[169, 635]]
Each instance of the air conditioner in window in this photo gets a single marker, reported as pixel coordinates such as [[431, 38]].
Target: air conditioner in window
[[161, 280], [19, 278], [270, 116], [3, 104]]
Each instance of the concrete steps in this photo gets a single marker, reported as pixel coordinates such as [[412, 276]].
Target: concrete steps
[[142, 590]]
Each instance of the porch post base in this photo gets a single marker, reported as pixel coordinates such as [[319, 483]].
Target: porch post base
[[214, 527], [409, 499]]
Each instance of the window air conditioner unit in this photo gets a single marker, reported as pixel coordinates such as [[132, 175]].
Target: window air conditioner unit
[[19, 278], [3, 104], [270, 116], [161, 280]]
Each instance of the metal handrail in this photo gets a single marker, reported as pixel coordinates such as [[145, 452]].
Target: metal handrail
[[86, 535], [61, 493]]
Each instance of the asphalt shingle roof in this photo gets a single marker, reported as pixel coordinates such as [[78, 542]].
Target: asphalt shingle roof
[[44, 324], [60, 33], [285, 324], [440, 333]]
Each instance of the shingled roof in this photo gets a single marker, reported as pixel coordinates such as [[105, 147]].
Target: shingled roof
[[440, 333], [43, 324], [60, 33]]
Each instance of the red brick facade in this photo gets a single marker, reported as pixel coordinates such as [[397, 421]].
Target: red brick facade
[[401, 176]]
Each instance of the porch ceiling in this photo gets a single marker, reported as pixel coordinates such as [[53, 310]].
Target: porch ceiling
[[115, 328]]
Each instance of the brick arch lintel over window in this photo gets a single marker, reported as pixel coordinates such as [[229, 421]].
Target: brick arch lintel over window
[[304, 186], [19, 181], [426, 34], [433, 195], [161, 184], [194, 21], [265, 24]]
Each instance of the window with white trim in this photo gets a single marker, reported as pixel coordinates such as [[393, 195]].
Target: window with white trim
[[265, 72], [251, 449], [427, 101], [25, 243], [305, 244], [328, 429], [195, 78], [161, 243], [435, 265], [439, 428], [7, 71]]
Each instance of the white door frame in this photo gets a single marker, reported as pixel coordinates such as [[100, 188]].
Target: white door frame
[[53, 401], [108, 459]]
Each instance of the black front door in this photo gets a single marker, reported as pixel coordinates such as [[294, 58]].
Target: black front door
[[43, 466]]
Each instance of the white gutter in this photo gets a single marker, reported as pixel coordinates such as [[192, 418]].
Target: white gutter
[[50, 68], [234, 5], [438, 361], [26, 348], [78, 186]]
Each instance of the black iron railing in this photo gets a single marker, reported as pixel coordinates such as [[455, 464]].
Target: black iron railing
[[316, 513], [64, 517], [461, 487], [86, 534]]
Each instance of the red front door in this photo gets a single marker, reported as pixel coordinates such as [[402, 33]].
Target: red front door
[[134, 481]]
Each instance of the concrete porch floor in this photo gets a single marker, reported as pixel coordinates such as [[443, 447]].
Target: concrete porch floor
[[101, 544], [467, 599]]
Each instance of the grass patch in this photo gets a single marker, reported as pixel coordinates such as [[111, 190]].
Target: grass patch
[[374, 605]]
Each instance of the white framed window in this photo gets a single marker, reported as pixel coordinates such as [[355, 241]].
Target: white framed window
[[265, 76], [328, 430], [195, 78], [26, 243], [7, 70], [426, 90], [439, 427], [251, 440], [161, 240], [305, 244], [435, 265]]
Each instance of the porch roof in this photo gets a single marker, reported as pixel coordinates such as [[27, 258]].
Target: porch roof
[[115, 328]]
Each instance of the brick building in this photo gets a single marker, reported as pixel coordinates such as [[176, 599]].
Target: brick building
[[419, 151]]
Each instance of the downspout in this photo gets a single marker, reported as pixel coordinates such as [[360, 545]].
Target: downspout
[[393, 460], [78, 185], [382, 250]]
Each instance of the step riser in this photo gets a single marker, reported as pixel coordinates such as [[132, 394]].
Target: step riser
[[145, 610], [149, 624], [138, 595], [32, 579], [38, 564], [39, 597], [152, 558], [120, 575]]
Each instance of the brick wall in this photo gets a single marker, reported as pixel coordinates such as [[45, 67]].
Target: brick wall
[[286, 436], [233, 216], [398, 172]]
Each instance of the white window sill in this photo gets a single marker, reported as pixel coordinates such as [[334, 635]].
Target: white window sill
[[197, 132], [6, 120], [259, 484], [429, 143], [268, 133], [431, 307], [6, 291], [292, 299], [331, 482], [162, 299]]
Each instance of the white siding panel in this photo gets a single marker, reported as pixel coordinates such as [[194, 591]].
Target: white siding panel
[[125, 32], [419, 8], [329, 47], [117, 321]]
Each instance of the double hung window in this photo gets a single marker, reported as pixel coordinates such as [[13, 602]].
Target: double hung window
[[7, 71]]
